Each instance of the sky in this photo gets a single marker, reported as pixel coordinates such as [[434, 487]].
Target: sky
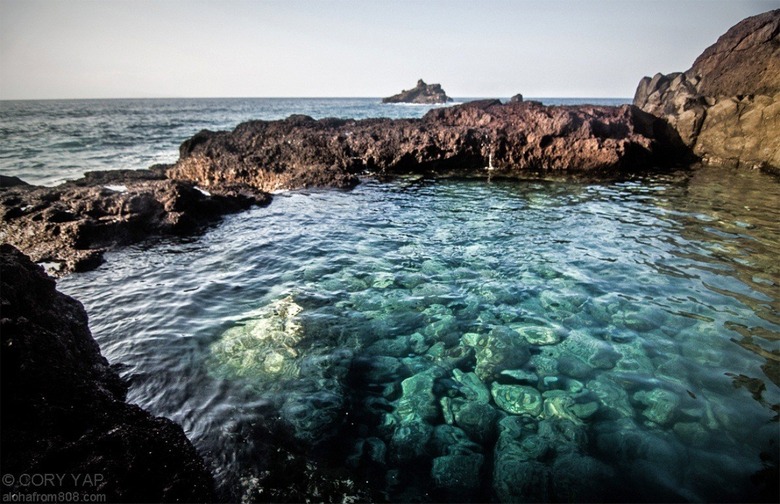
[[351, 48]]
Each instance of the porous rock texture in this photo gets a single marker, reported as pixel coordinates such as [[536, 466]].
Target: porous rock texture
[[726, 107], [477, 138], [64, 410], [421, 93], [72, 224]]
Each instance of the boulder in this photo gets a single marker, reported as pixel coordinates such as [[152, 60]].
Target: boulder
[[64, 409], [421, 93], [726, 107]]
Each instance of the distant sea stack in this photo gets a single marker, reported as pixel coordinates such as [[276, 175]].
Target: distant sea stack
[[726, 107], [422, 93]]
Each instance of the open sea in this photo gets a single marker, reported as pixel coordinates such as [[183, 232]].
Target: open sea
[[440, 340]]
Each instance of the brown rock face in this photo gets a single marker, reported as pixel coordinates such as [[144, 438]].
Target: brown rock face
[[726, 107], [477, 138], [72, 224], [64, 410]]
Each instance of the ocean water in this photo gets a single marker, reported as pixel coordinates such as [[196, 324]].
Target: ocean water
[[460, 340]]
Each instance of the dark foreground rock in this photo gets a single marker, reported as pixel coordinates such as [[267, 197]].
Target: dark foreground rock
[[726, 107], [72, 224], [478, 138], [64, 411], [421, 93]]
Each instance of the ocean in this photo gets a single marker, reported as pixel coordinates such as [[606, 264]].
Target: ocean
[[439, 340]]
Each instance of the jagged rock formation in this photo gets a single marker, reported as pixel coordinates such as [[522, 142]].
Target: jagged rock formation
[[72, 224], [422, 93], [726, 107], [477, 138], [64, 409]]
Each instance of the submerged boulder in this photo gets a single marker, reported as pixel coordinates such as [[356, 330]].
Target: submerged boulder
[[64, 409], [421, 93], [726, 106]]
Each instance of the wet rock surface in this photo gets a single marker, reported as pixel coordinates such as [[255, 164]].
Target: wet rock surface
[[726, 106], [71, 225], [64, 409], [421, 93], [476, 139]]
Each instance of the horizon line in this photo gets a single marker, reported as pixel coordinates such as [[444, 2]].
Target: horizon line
[[456, 98]]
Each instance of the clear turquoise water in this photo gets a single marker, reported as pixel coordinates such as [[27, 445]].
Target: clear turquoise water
[[461, 340]]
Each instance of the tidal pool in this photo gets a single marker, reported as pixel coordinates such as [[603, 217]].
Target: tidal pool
[[460, 340]]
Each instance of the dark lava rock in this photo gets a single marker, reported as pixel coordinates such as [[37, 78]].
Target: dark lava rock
[[64, 409], [726, 106], [422, 93], [72, 224], [479, 138], [516, 98]]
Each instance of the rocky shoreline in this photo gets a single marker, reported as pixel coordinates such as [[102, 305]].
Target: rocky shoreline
[[64, 409], [63, 406]]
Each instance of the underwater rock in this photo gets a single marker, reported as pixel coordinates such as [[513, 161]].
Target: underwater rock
[[472, 388], [596, 352], [692, 434], [313, 416], [417, 397], [393, 347], [517, 474], [457, 473], [559, 404], [661, 405], [451, 440], [477, 419], [502, 349], [517, 399], [520, 376], [539, 335], [612, 396], [262, 347], [410, 439]]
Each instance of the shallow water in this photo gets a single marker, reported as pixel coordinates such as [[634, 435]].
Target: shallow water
[[461, 340]]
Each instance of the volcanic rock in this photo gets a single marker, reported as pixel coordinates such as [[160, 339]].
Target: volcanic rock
[[422, 93], [726, 107], [64, 409], [72, 224], [482, 138]]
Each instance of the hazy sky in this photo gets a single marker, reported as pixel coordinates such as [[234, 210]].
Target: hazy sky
[[178, 48]]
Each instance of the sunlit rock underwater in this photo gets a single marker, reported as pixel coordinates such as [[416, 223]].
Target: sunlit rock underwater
[[262, 345]]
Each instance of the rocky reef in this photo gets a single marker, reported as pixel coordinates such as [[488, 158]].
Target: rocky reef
[[726, 107], [71, 225], [482, 138], [421, 93], [64, 410]]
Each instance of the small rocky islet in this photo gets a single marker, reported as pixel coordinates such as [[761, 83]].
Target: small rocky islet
[[501, 413]]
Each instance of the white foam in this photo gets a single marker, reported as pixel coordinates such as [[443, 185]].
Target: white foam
[[116, 188], [202, 191]]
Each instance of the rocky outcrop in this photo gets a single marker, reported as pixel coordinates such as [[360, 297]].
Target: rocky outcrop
[[64, 410], [478, 138], [71, 225], [726, 107], [422, 93]]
